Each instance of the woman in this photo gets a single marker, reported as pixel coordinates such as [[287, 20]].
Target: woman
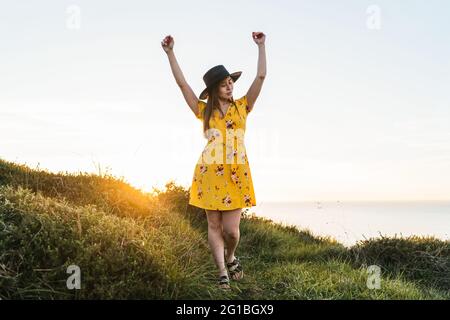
[[222, 183]]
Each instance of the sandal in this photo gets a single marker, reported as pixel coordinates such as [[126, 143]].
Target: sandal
[[224, 282], [235, 269]]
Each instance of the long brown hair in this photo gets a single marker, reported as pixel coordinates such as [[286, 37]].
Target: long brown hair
[[212, 104]]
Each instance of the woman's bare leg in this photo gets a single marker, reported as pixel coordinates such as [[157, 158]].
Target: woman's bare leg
[[215, 239], [231, 234]]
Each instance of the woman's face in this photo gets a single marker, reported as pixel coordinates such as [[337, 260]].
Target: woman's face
[[225, 90]]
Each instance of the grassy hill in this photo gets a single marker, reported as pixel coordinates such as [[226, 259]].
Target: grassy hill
[[135, 245]]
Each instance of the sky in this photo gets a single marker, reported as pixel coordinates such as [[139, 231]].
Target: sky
[[355, 104]]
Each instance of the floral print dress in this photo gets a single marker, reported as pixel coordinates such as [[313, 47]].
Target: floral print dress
[[222, 179]]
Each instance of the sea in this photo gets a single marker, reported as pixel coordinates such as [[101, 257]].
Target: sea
[[351, 221]]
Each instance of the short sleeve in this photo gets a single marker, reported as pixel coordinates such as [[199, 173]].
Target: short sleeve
[[243, 105], [201, 107]]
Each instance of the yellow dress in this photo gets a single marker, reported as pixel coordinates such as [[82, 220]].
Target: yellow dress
[[222, 179]]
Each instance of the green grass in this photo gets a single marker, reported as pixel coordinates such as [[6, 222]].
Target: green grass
[[135, 245]]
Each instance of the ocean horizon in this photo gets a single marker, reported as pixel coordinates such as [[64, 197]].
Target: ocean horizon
[[351, 221]]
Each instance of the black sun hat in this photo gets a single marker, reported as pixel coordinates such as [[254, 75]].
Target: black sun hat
[[215, 75]]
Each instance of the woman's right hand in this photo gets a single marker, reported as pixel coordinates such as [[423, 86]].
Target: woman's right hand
[[167, 43]]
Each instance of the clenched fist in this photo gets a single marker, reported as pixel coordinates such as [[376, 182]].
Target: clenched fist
[[167, 43], [258, 37]]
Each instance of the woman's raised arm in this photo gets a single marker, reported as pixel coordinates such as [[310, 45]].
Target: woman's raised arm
[[189, 95], [255, 88]]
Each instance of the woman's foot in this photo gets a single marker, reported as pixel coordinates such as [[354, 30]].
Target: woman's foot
[[224, 282], [235, 269]]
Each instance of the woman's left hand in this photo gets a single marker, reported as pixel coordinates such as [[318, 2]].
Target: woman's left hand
[[258, 37]]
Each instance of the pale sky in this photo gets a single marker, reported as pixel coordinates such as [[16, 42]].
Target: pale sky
[[348, 111]]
